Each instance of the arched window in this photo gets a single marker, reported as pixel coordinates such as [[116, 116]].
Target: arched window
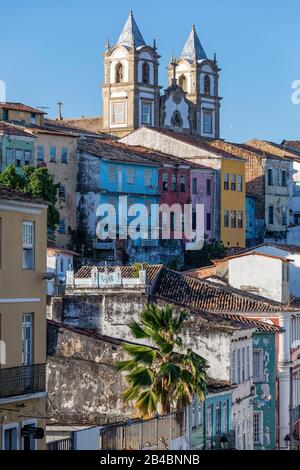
[[207, 85], [119, 73], [182, 82], [146, 72]]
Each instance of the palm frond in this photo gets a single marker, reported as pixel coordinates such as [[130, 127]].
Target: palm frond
[[147, 403]]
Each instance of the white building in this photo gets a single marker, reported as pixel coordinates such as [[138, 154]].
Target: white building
[[59, 261]]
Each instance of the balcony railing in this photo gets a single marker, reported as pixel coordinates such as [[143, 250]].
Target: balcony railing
[[296, 414], [23, 380]]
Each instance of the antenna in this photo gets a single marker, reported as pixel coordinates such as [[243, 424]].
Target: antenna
[[42, 108]]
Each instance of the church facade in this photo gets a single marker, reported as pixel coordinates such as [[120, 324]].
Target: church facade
[[132, 97]]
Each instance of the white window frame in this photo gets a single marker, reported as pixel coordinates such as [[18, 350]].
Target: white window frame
[[148, 176], [28, 242], [130, 175], [238, 367], [40, 153], [260, 427], [118, 117], [27, 352], [260, 377], [233, 367], [146, 116], [10, 426], [207, 126]]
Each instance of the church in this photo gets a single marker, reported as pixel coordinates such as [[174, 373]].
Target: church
[[132, 96]]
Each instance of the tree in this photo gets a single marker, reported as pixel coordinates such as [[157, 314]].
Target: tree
[[37, 182], [212, 249], [166, 376]]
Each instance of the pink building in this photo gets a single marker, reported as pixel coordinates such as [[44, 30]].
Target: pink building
[[203, 188]]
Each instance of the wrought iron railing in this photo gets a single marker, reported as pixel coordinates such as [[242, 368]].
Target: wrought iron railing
[[22, 380], [62, 444], [296, 414], [215, 442]]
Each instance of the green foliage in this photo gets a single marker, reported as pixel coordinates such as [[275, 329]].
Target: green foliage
[[137, 267], [211, 250], [37, 182], [167, 375]]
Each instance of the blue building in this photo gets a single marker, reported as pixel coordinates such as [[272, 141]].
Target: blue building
[[112, 173], [210, 422], [251, 235]]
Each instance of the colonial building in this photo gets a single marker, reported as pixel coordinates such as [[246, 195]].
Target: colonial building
[[16, 145], [23, 231], [230, 205]]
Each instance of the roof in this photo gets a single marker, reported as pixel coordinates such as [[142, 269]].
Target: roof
[[193, 48], [263, 153], [89, 125], [50, 131], [131, 35], [280, 246], [152, 271], [255, 253], [59, 249], [200, 294], [218, 386], [13, 195], [13, 129], [291, 145], [19, 107], [197, 142]]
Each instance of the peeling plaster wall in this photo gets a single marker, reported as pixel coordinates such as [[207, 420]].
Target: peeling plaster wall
[[82, 382]]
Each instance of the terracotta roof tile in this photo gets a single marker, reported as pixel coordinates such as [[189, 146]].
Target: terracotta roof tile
[[11, 194], [19, 107], [13, 129]]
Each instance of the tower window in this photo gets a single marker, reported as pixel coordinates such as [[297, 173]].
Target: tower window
[[118, 113], [182, 82], [119, 73], [146, 73], [207, 85], [146, 113], [207, 122]]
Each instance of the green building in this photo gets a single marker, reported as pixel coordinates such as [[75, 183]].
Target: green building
[[16, 146]]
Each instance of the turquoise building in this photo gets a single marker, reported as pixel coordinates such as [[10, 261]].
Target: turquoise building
[[251, 235], [210, 422], [16, 146], [264, 391]]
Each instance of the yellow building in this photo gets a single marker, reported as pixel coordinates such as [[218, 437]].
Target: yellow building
[[23, 247], [21, 114], [233, 202]]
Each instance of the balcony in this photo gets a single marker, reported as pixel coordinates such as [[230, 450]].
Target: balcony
[[23, 380], [295, 414]]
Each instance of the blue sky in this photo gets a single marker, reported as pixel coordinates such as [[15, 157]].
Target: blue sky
[[51, 50]]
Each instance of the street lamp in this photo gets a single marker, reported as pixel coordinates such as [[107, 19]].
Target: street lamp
[[224, 441], [287, 441]]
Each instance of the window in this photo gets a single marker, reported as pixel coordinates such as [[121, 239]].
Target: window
[[233, 368], [182, 82], [226, 218], [146, 73], [40, 153], [258, 427], [19, 157], [271, 215], [218, 419], [33, 118], [209, 419], [10, 156], [165, 181], [207, 122], [194, 220], [240, 183], [130, 174], [208, 187], [225, 423], [258, 365], [62, 265], [28, 245], [283, 216], [5, 114], [233, 182], [62, 227], [248, 363], [146, 113], [207, 85], [61, 191], [226, 181], [243, 364], [148, 177], [32, 443], [119, 73], [52, 153], [283, 178], [240, 219], [112, 173], [238, 378], [64, 155], [182, 184], [118, 113], [270, 177], [194, 186], [233, 219], [27, 157], [174, 182], [27, 339], [10, 437], [208, 221]]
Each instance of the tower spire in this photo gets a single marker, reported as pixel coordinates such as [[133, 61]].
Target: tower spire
[[193, 50], [131, 35]]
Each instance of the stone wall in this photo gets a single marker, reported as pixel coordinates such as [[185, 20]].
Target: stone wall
[[83, 384]]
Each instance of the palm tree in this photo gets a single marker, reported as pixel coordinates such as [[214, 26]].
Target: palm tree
[[167, 375]]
